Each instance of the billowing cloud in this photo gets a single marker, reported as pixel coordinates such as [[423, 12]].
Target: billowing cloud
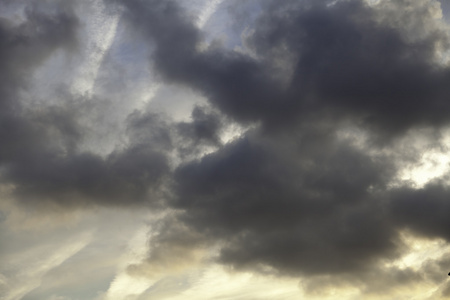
[[346, 58]]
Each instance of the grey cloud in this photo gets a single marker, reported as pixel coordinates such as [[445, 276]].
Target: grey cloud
[[234, 82], [425, 210], [205, 126], [22, 48], [49, 171], [25, 46], [123, 178], [41, 158], [297, 213], [149, 129], [202, 132], [293, 198], [346, 61]]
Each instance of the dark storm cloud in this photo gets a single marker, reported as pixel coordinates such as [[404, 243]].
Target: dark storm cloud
[[345, 58], [350, 62], [202, 132], [298, 199], [205, 126], [53, 170], [234, 82], [425, 210], [294, 210], [122, 179]]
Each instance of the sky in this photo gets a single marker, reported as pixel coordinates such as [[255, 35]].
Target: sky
[[224, 149]]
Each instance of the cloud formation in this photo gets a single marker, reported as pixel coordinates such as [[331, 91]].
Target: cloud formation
[[291, 195], [326, 94]]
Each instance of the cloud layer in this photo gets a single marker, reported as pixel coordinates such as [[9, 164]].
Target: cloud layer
[[330, 99]]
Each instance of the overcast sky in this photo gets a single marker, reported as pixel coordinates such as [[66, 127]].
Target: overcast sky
[[224, 149]]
